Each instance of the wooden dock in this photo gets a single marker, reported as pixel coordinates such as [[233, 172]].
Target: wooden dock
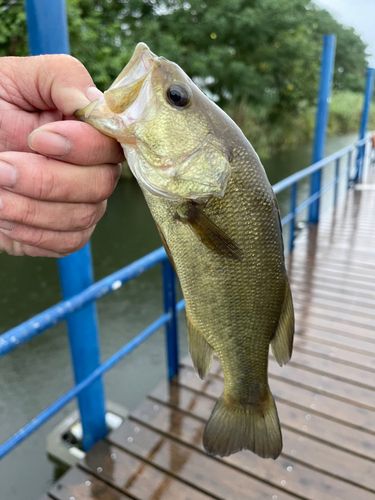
[[325, 396]]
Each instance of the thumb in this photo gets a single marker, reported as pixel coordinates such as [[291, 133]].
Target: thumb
[[51, 82]]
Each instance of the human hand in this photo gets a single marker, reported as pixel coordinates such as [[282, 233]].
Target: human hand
[[56, 173]]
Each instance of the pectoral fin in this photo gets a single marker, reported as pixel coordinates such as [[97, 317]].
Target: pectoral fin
[[207, 231], [282, 342], [200, 350]]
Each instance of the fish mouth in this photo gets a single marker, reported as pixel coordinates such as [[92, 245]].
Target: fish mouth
[[107, 113]]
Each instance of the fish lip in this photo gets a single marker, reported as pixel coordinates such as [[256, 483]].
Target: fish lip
[[99, 112], [137, 68]]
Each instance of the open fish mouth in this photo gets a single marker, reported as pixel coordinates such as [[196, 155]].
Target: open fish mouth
[[107, 113]]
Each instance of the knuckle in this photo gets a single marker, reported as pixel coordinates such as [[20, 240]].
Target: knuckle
[[68, 60], [105, 183], [44, 181], [90, 216], [31, 236], [36, 237], [29, 213], [102, 209], [74, 241]]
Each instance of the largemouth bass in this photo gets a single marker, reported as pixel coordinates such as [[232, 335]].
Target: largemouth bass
[[219, 222]]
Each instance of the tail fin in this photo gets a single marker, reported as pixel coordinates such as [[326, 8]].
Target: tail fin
[[232, 428]]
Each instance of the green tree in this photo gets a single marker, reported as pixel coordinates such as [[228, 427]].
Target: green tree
[[13, 39], [258, 58]]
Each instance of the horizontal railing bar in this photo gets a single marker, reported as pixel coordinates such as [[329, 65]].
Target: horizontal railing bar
[[25, 331], [37, 324], [302, 206], [53, 315], [63, 400], [301, 174], [180, 305]]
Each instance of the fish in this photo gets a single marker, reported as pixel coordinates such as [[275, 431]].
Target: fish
[[219, 222]]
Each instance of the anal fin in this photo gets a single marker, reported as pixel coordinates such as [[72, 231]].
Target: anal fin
[[200, 350], [282, 341]]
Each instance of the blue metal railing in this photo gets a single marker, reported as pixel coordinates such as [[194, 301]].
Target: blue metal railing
[[321, 121], [48, 34], [57, 313], [293, 181]]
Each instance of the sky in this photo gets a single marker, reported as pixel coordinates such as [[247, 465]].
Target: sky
[[359, 14]]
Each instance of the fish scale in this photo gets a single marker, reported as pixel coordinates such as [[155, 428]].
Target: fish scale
[[219, 222]]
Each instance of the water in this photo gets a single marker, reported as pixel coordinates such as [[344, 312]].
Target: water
[[37, 373]]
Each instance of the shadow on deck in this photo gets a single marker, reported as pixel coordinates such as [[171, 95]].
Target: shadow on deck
[[325, 395]]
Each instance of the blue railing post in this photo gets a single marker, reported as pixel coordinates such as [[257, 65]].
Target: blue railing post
[[171, 330], [48, 33], [293, 206], [348, 169], [369, 88], [326, 76], [336, 181]]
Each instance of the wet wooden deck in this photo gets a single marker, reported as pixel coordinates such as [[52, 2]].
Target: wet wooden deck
[[325, 396]]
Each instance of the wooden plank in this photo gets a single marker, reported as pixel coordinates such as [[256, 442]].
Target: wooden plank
[[315, 336], [330, 259], [186, 463], [338, 389], [135, 477], [336, 355], [328, 367], [333, 322], [302, 268], [297, 396], [80, 485], [319, 278], [328, 334], [307, 420], [350, 268], [299, 257], [356, 311], [296, 478], [348, 390], [328, 269], [329, 287], [301, 293]]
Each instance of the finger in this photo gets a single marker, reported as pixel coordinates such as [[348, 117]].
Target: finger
[[75, 142], [48, 179], [49, 82], [60, 242], [15, 248], [48, 215]]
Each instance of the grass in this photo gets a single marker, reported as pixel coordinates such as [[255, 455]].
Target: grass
[[288, 131]]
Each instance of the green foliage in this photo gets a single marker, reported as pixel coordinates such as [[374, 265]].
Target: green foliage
[[345, 112], [12, 28], [298, 128], [258, 58]]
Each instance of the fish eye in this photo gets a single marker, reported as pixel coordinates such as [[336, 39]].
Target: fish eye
[[178, 95]]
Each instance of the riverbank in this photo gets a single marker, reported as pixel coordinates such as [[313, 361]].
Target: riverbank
[[269, 135]]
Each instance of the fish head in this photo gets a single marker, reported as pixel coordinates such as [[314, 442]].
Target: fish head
[[168, 127]]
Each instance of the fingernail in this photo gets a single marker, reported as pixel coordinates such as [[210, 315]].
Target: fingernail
[[93, 93], [8, 174], [49, 143]]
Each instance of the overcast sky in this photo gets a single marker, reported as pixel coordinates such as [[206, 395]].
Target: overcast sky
[[360, 14]]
